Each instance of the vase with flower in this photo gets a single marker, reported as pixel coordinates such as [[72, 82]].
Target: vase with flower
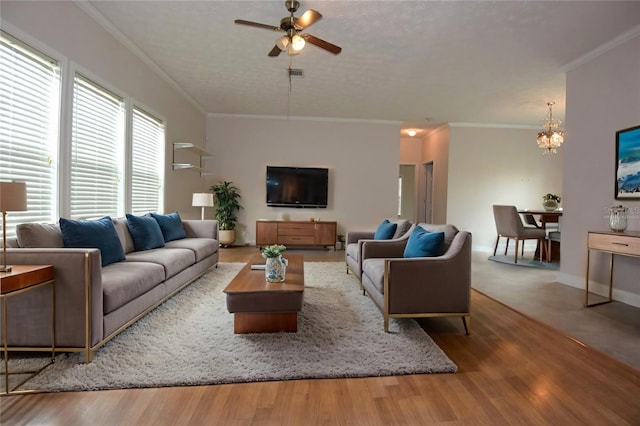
[[550, 202], [275, 268]]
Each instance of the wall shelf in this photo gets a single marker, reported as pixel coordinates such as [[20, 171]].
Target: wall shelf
[[202, 154]]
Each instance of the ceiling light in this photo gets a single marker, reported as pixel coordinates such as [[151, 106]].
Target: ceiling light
[[297, 43], [411, 132], [551, 138], [282, 42]]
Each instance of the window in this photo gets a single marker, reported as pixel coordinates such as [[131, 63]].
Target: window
[[97, 152], [147, 162], [29, 115]]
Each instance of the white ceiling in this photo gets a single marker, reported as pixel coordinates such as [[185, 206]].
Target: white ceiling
[[421, 63]]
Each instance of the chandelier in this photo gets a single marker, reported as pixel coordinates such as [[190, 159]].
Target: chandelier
[[551, 138]]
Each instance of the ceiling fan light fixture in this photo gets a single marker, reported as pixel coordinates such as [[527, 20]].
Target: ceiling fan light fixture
[[282, 42], [411, 132], [297, 43]]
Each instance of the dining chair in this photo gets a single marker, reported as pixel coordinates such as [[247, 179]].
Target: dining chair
[[553, 236], [509, 225]]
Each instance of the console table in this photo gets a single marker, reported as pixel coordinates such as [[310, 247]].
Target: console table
[[619, 243], [296, 233]]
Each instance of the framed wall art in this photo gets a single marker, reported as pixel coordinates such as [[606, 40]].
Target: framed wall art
[[628, 164]]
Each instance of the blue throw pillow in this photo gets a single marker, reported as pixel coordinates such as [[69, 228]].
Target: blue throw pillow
[[145, 232], [385, 230], [171, 226], [100, 234], [423, 243]]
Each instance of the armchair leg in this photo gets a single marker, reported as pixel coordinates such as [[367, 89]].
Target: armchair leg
[[495, 249], [386, 324], [466, 321]]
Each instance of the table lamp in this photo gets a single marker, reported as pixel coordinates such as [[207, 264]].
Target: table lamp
[[13, 198], [202, 199]]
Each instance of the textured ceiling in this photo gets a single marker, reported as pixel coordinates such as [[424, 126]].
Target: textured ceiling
[[421, 63]]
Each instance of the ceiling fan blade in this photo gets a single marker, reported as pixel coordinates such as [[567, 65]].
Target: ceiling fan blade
[[275, 51], [307, 19], [256, 24], [322, 44]]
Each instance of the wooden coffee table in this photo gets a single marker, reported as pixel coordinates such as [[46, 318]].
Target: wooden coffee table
[[263, 307]]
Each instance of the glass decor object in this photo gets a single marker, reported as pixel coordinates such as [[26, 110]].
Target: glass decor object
[[618, 218], [550, 202]]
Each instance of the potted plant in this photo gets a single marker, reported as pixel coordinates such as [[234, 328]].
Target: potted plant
[[550, 202], [341, 239], [276, 266], [227, 205]]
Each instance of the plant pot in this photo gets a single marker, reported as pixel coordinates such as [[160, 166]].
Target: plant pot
[[550, 205], [227, 237]]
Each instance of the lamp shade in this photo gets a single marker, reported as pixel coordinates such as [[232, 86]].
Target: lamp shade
[[13, 196], [202, 199]]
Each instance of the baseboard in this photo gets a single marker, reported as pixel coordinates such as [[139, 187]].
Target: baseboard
[[595, 287]]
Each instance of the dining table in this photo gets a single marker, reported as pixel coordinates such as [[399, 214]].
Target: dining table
[[546, 217]]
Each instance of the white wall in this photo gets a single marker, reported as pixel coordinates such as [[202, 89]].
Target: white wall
[[70, 32], [490, 166], [603, 96], [435, 148], [362, 158]]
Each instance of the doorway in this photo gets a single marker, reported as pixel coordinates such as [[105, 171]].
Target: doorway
[[427, 199]]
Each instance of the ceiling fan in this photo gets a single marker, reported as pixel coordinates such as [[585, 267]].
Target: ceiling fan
[[293, 41]]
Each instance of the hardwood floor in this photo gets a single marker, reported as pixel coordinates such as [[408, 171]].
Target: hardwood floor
[[511, 370]]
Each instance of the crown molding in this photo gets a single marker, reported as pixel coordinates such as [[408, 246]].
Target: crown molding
[[304, 118], [495, 126], [118, 35], [611, 44]]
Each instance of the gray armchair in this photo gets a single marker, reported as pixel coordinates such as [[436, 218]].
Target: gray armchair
[[356, 239], [423, 286]]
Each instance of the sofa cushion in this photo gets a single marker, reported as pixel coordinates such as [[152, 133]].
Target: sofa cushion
[[374, 271], [423, 243], [174, 261], [100, 234], [402, 228], [145, 232], [39, 235], [124, 281], [385, 230], [123, 233], [201, 247], [450, 232], [171, 226]]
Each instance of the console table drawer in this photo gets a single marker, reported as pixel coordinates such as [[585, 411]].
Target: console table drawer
[[297, 239], [621, 244]]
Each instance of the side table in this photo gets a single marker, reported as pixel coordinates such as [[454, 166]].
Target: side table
[[22, 279]]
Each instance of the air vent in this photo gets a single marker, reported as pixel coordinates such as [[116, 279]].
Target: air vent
[[296, 72]]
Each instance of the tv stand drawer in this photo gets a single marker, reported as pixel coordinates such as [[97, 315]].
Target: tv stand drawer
[[307, 240], [296, 229]]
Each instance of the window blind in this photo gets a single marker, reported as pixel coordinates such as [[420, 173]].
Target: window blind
[[29, 115], [147, 162], [97, 151]]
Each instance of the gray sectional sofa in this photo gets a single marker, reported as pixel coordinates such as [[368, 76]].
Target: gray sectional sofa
[[95, 303]]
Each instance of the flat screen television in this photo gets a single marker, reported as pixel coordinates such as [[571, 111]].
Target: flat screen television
[[297, 187]]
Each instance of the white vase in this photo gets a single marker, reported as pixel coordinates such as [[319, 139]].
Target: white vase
[[275, 269]]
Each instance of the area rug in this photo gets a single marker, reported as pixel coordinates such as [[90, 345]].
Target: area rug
[[189, 340], [526, 262]]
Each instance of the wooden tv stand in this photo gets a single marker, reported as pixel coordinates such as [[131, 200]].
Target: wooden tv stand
[[296, 233]]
